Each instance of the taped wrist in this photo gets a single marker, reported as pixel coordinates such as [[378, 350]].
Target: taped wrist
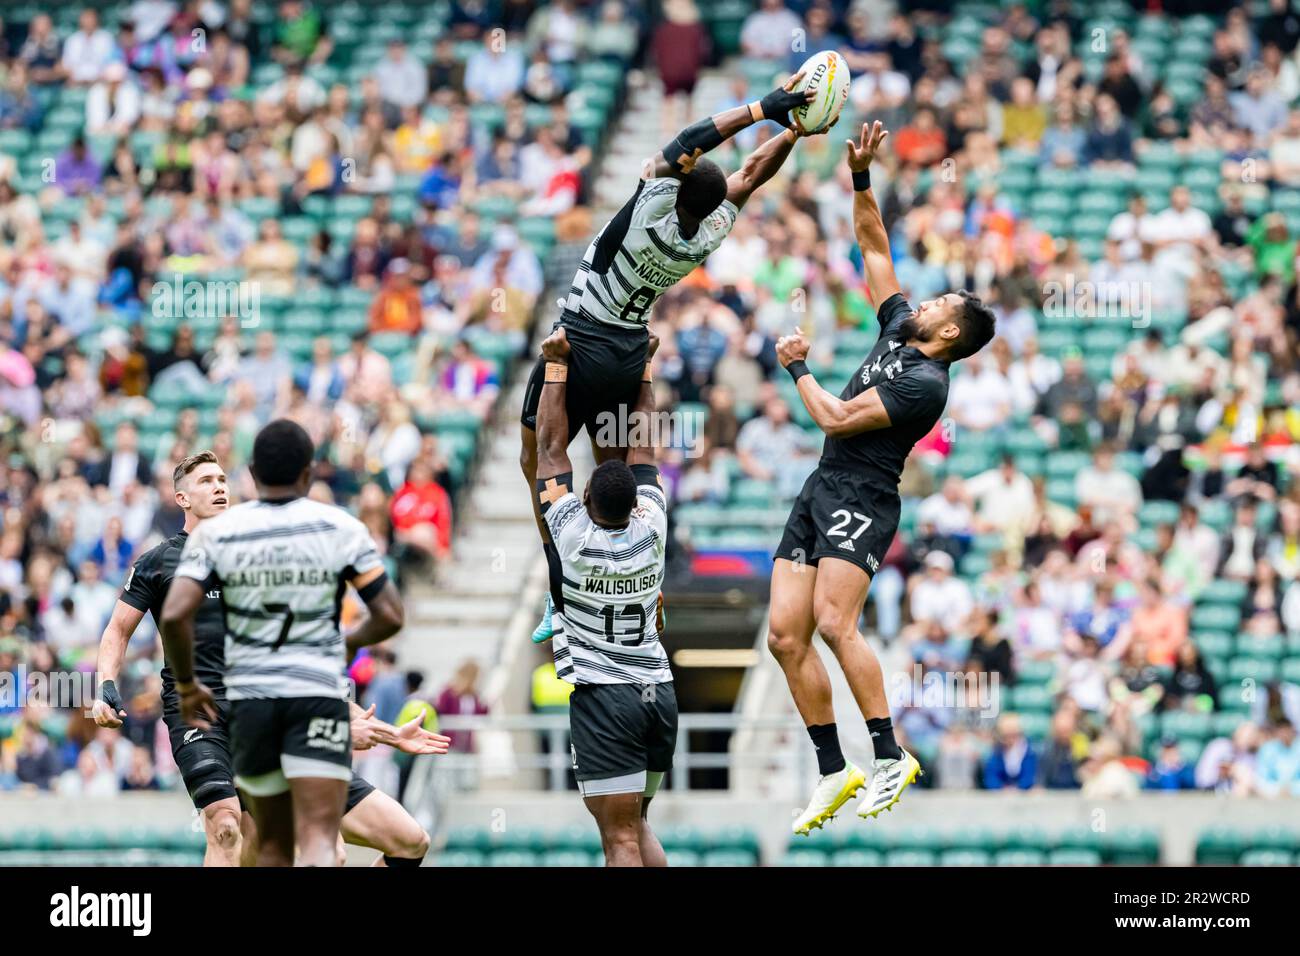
[[862, 180], [778, 104], [797, 369], [703, 136], [108, 691], [557, 373]]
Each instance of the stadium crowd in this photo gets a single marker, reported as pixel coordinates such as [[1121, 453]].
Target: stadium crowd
[[1107, 518], [1111, 506], [218, 213]]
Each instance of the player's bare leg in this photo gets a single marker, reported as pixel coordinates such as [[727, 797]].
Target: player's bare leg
[[273, 818], [248, 838], [221, 826], [618, 817], [381, 823], [652, 851], [317, 811], [838, 597], [789, 638], [528, 464], [791, 621]]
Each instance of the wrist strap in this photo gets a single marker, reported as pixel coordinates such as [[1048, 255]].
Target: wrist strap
[[862, 181], [557, 373], [755, 111], [798, 369]]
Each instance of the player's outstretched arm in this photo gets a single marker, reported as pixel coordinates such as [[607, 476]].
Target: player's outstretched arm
[[552, 412], [679, 156], [868, 226], [185, 595], [643, 452], [834, 416], [109, 710], [762, 164], [384, 603]]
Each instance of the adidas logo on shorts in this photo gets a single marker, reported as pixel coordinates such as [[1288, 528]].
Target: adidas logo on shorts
[[847, 546]]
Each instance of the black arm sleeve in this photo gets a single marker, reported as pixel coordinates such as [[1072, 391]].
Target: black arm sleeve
[[703, 136]]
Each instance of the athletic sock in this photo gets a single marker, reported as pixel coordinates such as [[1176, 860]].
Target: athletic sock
[[401, 861], [826, 740], [882, 738]]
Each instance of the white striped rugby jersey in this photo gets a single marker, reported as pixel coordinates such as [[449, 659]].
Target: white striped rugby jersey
[[605, 629], [640, 254], [282, 568]]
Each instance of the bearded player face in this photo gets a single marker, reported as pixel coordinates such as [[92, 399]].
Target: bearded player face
[[935, 318]]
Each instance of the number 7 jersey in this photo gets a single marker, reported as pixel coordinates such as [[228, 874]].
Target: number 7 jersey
[[640, 254], [282, 567], [609, 590]]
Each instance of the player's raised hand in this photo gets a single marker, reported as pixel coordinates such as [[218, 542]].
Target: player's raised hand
[[864, 151], [792, 348], [198, 706], [777, 105], [556, 346], [412, 738]]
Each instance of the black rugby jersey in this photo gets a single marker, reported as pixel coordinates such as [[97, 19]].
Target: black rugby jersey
[[146, 589], [914, 390]]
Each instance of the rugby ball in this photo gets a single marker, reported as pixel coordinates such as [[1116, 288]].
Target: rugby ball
[[827, 75]]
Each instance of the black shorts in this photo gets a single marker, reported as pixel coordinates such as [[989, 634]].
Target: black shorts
[[605, 368], [203, 757], [279, 739], [621, 732], [358, 790], [840, 514]]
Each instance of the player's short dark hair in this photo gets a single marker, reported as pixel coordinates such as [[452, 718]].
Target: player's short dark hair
[[186, 465], [613, 491], [978, 324], [281, 452], [702, 189]]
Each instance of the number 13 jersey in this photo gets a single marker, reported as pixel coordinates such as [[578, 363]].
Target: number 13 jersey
[[609, 590], [282, 567]]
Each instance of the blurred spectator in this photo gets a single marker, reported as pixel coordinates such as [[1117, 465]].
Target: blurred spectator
[[1013, 763]]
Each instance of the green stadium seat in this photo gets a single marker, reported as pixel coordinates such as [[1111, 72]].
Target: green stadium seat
[[1221, 845], [1261, 670], [910, 858], [965, 858], [728, 858], [1214, 643], [1215, 617], [1019, 858], [805, 856], [1267, 858]]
